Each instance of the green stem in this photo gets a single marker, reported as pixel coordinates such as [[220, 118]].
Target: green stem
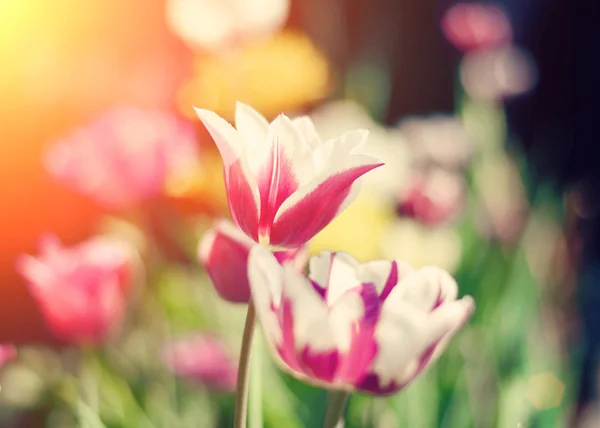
[[241, 391], [255, 415], [335, 408]]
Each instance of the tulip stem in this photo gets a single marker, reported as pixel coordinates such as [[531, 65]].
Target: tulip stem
[[241, 391], [335, 408]]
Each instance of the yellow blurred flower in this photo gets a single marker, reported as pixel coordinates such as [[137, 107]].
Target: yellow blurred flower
[[282, 74], [422, 245], [545, 391], [358, 230]]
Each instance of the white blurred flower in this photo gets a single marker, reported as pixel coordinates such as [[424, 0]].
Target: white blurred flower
[[218, 24], [438, 139], [420, 245], [386, 144], [493, 75]]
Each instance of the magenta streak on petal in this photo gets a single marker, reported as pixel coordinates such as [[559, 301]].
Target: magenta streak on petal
[[241, 200], [438, 301], [227, 266], [321, 291], [276, 183], [320, 365], [362, 346], [391, 282], [309, 216], [371, 384], [286, 349]]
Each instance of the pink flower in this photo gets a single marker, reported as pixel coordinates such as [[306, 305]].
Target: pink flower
[[203, 359], [433, 197], [80, 290], [223, 252], [124, 156], [470, 26], [283, 184], [7, 354], [371, 327]]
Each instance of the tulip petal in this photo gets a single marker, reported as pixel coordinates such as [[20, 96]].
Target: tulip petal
[[279, 169], [399, 341], [308, 210], [306, 128], [266, 281], [308, 310], [223, 252], [227, 139], [342, 276], [242, 191], [251, 126], [243, 198], [422, 289]]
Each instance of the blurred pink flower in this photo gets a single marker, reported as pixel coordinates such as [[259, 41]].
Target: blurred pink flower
[[7, 354], [223, 252], [470, 26], [284, 185], [124, 156], [371, 327], [497, 74], [221, 24], [201, 358], [80, 290], [433, 197]]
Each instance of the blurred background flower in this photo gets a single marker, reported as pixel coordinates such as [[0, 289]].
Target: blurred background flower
[[218, 82], [203, 359], [125, 156], [220, 25], [7, 353], [80, 290]]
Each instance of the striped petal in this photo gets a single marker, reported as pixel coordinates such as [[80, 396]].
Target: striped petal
[[307, 211], [242, 190]]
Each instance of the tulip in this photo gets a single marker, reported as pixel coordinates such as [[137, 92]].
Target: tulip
[[7, 354], [221, 24], [124, 156], [203, 359], [434, 197], [223, 251], [476, 26], [371, 327], [438, 140], [283, 184], [80, 290], [497, 74]]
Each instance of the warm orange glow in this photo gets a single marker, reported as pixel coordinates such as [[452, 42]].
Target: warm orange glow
[[63, 62]]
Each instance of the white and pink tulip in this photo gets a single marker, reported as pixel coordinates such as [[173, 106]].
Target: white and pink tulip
[[371, 327], [284, 184]]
